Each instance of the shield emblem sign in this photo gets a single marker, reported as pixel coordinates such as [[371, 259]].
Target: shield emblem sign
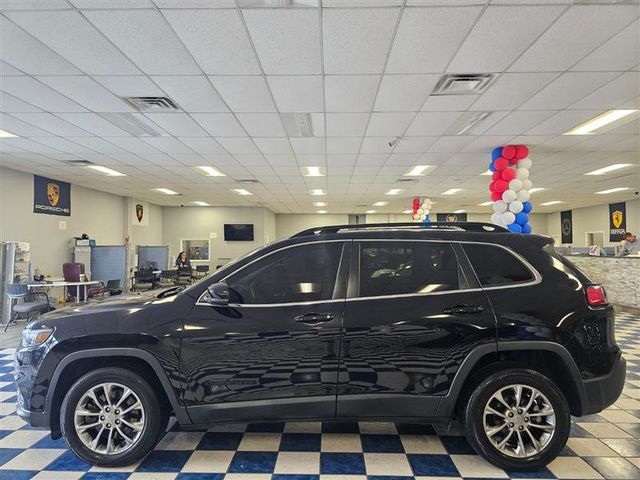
[[617, 218], [139, 212], [53, 193]]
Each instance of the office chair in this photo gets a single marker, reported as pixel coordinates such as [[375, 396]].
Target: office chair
[[201, 271], [167, 278], [31, 305], [143, 280], [113, 286], [183, 276]]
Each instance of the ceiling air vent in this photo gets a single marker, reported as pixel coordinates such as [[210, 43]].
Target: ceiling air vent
[[151, 104], [297, 124], [248, 181], [83, 163], [466, 123], [463, 83], [406, 180], [131, 124]]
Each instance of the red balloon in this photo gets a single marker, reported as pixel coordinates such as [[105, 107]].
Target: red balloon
[[497, 176], [501, 163], [495, 196], [492, 187], [513, 161], [508, 174], [500, 186], [522, 151], [508, 152]]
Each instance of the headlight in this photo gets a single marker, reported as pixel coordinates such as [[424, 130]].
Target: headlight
[[36, 337]]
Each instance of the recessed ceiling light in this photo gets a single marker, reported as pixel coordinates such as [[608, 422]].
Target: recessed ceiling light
[[166, 191], [394, 191], [600, 121], [487, 172], [312, 171], [552, 202], [200, 203], [459, 211], [210, 171], [536, 189], [370, 211], [380, 204], [485, 204], [242, 191], [106, 171], [5, 134], [451, 191], [407, 211], [612, 190], [317, 191], [610, 168], [417, 171], [322, 211], [319, 204]]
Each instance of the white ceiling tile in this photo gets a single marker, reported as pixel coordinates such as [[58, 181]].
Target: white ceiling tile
[[501, 34], [167, 144], [590, 26], [428, 38], [350, 93], [220, 124], [308, 145], [94, 124], [33, 4], [244, 94], [10, 103], [21, 128], [414, 144], [404, 93], [30, 55], [287, 40], [451, 144], [273, 145], [431, 123], [262, 124], [448, 103], [195, 3], [63, 145], [87, 92], [134, 145], [192, 93], [217, 40], [517, 123], [621, 52], [389, 123], [511, 90], [375, 145], [6, 69], [297, 93], [346, 124], [203, 145], [343, 144], [147, 39], [486, 143], [562, 122], [99, 145], [129, 86], [120, 4], [74, 38], [238, 145], [177, 124], [51, 123], [367, 34], [614, 93], [566, 89]]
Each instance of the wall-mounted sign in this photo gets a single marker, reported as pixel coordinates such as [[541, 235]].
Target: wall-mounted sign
[[617, 221], [139, 213], [566, 226], [51, 197], [451, 217]]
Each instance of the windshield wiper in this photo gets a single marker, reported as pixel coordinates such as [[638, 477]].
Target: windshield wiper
[[171, 291]]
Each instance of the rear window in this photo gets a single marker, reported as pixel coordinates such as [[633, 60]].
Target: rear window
[[496, 266]]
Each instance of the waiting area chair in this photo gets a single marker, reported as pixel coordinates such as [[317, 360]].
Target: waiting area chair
[[28, 304], [167, 278], [183, 276], [143, 280], [113, 286], [201, 271]]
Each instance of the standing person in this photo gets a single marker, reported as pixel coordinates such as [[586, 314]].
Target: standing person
[[630, 245], [183, 260]]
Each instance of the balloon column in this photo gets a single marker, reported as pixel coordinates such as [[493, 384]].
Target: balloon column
[[510, 187], [421, 209]]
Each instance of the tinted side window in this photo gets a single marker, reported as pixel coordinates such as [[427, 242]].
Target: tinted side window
[[393, 268], [495, 265], [305, 273]]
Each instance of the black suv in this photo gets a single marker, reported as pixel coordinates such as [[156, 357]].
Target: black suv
[[393, 322]]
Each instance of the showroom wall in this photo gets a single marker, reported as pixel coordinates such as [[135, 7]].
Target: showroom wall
[[594, 219], [289, 224]]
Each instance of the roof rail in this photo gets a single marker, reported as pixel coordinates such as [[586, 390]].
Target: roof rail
[[455, 226]]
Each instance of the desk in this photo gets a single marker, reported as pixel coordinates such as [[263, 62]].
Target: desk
[[84, 286]]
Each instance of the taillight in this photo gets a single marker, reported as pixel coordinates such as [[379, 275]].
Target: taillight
[[596, 296]]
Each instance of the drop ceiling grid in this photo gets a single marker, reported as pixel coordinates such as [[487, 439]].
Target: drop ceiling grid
[[383, 175]]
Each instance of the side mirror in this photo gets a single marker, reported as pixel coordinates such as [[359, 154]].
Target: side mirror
[[218, 294]]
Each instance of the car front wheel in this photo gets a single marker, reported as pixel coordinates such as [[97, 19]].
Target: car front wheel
[[111, 417], [517, 419]]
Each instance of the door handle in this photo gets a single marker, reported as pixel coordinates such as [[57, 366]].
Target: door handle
[[463, 309], [314, 318]]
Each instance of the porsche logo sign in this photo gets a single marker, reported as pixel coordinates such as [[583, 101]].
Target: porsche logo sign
[[51, 197]]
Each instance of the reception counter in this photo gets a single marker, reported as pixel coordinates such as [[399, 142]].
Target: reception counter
[[620, 276]]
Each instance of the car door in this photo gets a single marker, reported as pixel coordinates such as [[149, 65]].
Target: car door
[[273, 351], [412, 315]]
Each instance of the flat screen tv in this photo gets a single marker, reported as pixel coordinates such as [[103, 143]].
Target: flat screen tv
[[238, 232]]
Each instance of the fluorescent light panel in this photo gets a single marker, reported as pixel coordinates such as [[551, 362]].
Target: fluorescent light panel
[[312, 171], [210, 171], [106, 171], [370, 211], [5, 134], [610, 168], [485, 204], [452, 191], [552, 202], [380, 204], [417, 171], [600, 121], [166, 191], [319, 204], [394, 191], [200, 203], [407, 211], [536, 189], [459, 211], [317, 192], [242, 191], [612, 190], [322, 211]]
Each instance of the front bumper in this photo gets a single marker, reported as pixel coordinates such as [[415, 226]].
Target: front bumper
[[30, 398], [600, 392]]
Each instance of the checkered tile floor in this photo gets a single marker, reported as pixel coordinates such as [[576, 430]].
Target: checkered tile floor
[[601, 446]]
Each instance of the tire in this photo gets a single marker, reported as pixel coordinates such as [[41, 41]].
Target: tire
[[510, 456], [149, 419]]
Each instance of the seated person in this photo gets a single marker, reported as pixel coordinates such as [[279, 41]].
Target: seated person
[[630, 245], [183, 260]]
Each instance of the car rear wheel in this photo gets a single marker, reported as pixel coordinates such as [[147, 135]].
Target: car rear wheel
[[112, 417], [517, 419]]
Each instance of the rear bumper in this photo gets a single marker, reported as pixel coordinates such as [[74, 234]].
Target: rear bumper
[[600, 392]]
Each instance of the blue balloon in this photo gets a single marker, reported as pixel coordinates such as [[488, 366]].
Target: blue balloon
[[526, 228], [527, 207], [496, 153], [515, 228], [522, 218], [492, 167]]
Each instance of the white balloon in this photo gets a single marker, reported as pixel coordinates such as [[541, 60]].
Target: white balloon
[[515, 206], [509, 196], [428, 203], [420, 211], [423, 217], [522, 173], [427, 211], [508, 218], [496, 219], [526, 184], [515, 185], [523, 195], [500, 206], [525, 163]]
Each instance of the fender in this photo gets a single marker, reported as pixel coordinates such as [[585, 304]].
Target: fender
[[447, 405], [43, 418]]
